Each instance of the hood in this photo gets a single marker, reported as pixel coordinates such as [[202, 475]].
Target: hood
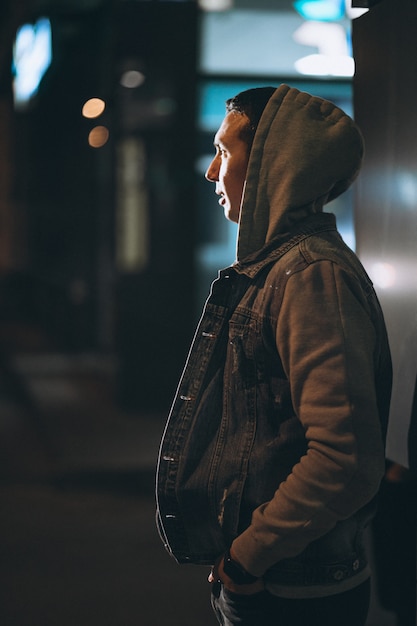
[[306, 152]]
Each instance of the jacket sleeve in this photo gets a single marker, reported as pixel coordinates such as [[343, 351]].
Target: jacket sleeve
[[327, 342]]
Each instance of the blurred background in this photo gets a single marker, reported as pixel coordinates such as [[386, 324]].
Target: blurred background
[[109, 240]]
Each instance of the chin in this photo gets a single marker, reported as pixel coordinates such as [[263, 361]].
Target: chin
[[229, 215]]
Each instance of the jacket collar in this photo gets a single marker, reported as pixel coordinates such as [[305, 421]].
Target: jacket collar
[[254, 263]]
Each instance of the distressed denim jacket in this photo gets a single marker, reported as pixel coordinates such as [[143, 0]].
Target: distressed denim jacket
[[256, 453]]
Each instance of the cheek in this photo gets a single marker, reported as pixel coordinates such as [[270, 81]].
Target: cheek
[[239, 177], [235, 172]]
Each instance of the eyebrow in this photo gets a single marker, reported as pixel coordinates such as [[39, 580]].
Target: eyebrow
[[218, 142]]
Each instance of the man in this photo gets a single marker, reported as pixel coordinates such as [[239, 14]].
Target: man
[[274, 448]]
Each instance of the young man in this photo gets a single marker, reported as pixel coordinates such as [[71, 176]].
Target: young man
[[274, 448]]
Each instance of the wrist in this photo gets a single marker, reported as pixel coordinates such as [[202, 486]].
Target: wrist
[[236, 572]]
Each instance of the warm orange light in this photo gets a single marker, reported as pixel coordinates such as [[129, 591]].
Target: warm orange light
[[93, 107], [98, 136]]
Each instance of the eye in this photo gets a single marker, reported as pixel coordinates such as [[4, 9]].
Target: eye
[[220, 151]]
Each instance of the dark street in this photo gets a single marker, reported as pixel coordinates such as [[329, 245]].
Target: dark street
[[79, 544]]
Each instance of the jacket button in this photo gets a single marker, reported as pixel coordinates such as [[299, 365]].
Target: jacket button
[[338, 575], [355, 565]]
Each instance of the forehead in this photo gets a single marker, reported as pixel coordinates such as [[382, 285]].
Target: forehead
[[231, 128]]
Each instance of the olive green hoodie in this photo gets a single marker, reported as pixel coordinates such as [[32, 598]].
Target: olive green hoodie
[[305, 153]]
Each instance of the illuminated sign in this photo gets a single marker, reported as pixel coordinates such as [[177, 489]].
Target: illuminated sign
[[32, 56]]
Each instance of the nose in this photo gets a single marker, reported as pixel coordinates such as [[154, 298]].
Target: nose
[[212, 173]]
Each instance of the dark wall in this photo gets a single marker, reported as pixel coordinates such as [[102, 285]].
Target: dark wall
[[56, 187], [385, 93], [79, 288], [155, 303]]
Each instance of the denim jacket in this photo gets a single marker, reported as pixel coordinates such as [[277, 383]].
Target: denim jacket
[[258, 450]]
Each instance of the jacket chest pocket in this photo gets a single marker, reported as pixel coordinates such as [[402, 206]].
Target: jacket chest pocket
[[244, 363]]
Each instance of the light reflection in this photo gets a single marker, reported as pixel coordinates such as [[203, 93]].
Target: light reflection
[[333, 58], [383, 275], [215, 5], [326, 10], [93, 108], [132, 79], [98, 136], [32, 56], [353, 13], [324, 65], [330, 39], [407, 188]]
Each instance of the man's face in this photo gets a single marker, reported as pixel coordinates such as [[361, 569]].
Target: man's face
[[229, 165]]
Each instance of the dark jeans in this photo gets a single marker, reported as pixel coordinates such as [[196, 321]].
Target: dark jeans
[[263, 609]]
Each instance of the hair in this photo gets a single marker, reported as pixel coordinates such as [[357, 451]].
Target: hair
[[252, 103]]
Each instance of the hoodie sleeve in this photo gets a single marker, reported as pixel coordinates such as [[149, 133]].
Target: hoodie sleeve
[[326, 341]]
